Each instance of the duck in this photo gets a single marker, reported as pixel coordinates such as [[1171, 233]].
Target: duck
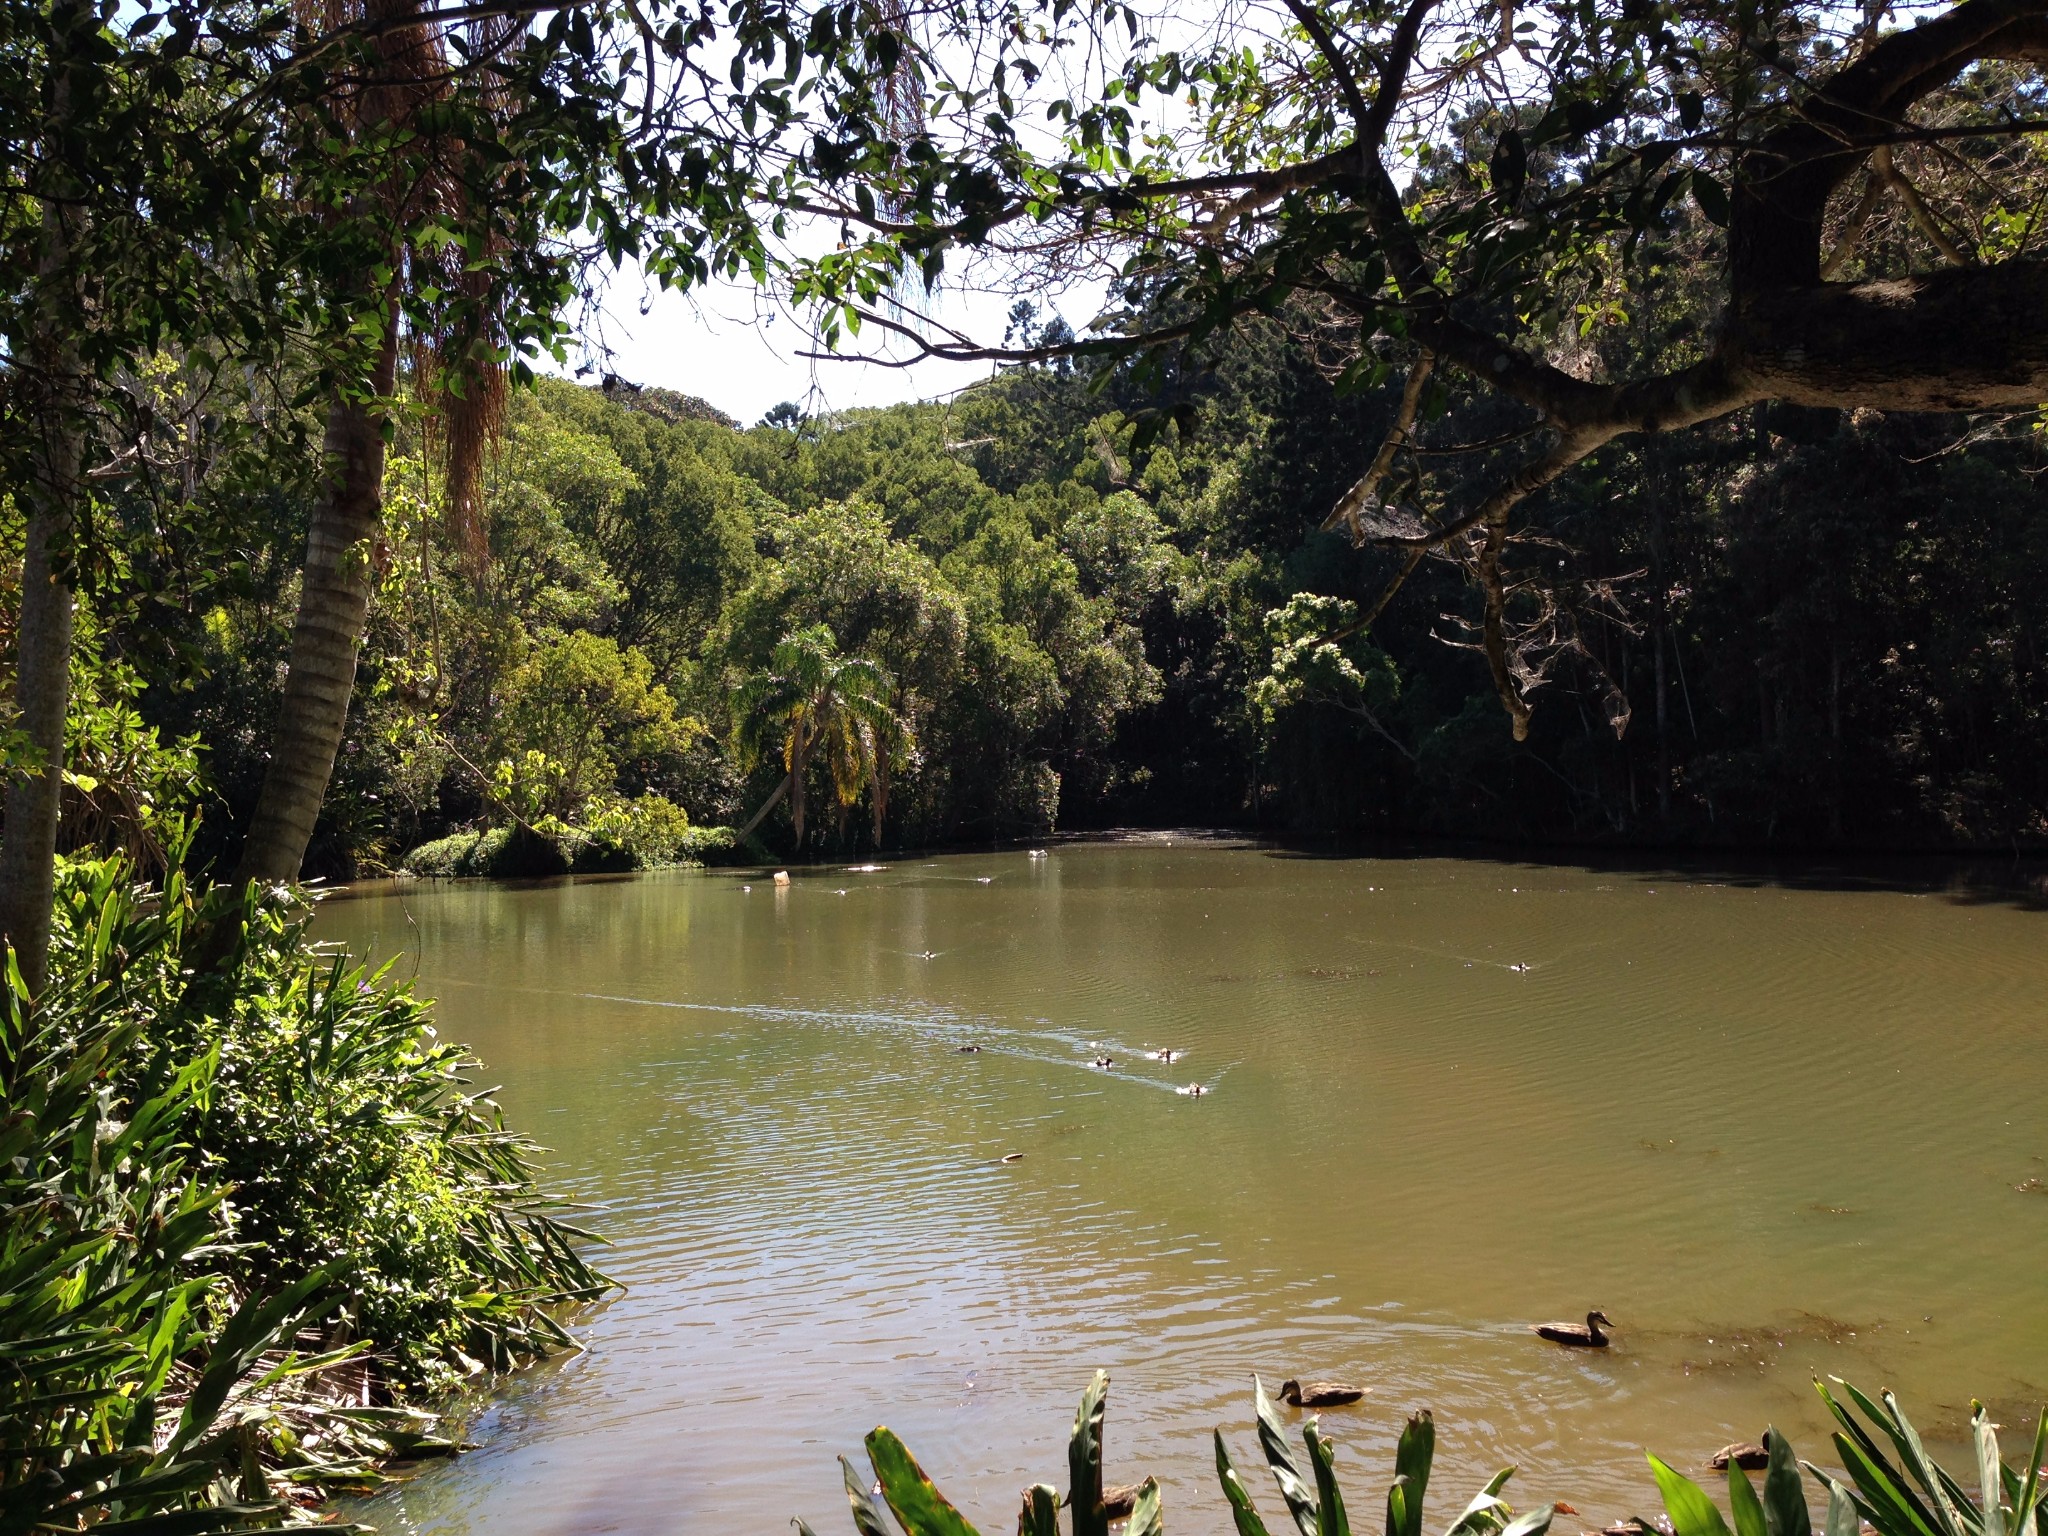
[[967, 1050], [1585, 1335], [1168, 1055], [1119, 1501], [1319, 1394], [1745, 1454], [1104, 1062], [1194, 1090]]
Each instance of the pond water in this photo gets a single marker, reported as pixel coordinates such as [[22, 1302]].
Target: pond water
[[1775, 1129]]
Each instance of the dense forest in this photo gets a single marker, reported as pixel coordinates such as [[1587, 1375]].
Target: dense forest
[[1818, 628]]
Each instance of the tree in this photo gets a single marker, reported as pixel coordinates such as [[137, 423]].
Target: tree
[[579, 705], [131, 176], [1483, 189], [829, 708]]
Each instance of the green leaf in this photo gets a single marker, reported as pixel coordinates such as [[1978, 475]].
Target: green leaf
[[1742, 1503], [1692, 1512], [867, 1515], [1784, 1499], [1484, 1512], [1412, 1459], [919, 1507], [1712, 198], [1146, 1516], [1990, 1471], [1301, 1503], [1240, 1499], [1534, 1523], [1329, 1497], [1041, 1513], [1844, 1517], [1084, 1461]]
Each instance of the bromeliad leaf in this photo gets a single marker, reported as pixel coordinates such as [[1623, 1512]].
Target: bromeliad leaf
[[1147, 1518], [1412, 1459], [1301, 1501], [1241, 1511], [1329, 1497], [1692, 1512], [867, 1514], [1784, 1499], [1041, 1513], [1084, 1461], [1743, 1504], [918, 1506]]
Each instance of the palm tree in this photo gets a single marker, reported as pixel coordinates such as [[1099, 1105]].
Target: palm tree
[[409, 67], [827, 706]]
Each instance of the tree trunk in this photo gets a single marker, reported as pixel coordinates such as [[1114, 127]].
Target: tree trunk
[[797, 773], [42, 687], [766, 806], [334, 604]]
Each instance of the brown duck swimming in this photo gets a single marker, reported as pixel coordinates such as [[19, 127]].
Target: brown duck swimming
[[1580, 1336], [1319, 1394], [1744, 1454]]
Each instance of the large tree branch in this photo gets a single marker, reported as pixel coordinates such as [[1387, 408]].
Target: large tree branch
[[1783, 184]]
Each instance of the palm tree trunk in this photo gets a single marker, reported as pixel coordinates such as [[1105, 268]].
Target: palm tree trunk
[[334, 604], [797, 775], [42, 686]]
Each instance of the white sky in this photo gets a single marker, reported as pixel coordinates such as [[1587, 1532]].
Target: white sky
[[728, 345]]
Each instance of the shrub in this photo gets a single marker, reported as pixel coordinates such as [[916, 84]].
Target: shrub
[[221, 1146]]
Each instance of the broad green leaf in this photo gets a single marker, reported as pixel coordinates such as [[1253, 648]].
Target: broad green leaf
[[1845, 1517], [1743, 1505], [1041, 1513], [1947, 1496], [1084, 1461], [1484, 1512], [1241, 1510], [918, 1506], [1329, 1497], [1894, 1511], [1990, 1471], [1784, 1497], [1412, 1460], [1534, 1523], [1692, 1512], [1301, 1502], [867, 1515], [1147, 1518]]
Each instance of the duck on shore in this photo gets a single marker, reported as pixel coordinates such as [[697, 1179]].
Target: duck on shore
[[1579, 1336], [1319, 1394], [1745, 1454]]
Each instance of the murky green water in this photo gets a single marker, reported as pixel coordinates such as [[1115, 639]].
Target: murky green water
[[1774, 1130]]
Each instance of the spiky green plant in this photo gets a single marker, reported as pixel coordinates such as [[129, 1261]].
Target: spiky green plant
[[1911, 1496], [921, 1510], [1316, 1503]]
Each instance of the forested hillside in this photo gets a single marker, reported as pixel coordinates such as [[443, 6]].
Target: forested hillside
[[1816, 628]]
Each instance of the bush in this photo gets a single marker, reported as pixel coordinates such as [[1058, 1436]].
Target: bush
[[617, 835], [223, 1146]]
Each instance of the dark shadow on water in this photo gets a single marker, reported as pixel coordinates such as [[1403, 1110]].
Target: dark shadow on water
[[1961, 879]]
